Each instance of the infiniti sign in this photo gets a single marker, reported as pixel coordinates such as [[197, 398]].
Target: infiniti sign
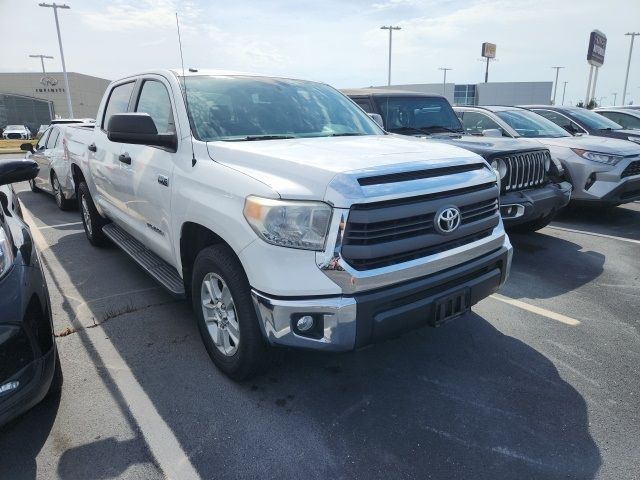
[[447, 220]]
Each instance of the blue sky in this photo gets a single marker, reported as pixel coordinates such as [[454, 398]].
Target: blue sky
[[339, 42]]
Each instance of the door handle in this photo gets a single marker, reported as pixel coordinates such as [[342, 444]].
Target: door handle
[[125, 158], [92, 147]]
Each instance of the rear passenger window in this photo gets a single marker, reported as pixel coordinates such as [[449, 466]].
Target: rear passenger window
[[118, 102], [53, 138], [364, 104], [154, 100]]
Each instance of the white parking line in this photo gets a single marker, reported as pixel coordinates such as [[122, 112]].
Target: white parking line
[[537, 310], [622, 239], [44, 227], [163, 444]]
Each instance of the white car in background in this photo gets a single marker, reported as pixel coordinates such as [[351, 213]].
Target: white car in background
[[16, 132], [54, 176], [602, 170], [629, 118]]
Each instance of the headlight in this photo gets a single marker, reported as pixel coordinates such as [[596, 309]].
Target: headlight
[[634, 139], [605, 158], [6, 253], [499, 166], [289, 223]]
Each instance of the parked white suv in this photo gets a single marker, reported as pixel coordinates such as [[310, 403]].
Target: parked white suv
[[16, 132], [290, 218]]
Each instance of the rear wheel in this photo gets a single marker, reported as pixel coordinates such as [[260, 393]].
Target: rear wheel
[[34, 188], [61, 200], [226, 318], [91, 219]]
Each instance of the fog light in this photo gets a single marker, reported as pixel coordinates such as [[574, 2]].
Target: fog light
[[9, 386], [305, 323]]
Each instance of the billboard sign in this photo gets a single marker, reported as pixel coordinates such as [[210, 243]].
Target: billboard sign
[[597, 47], [489, 50]]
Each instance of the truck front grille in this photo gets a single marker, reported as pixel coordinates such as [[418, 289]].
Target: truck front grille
[[632, 169], [14, 136], [386, 233], [524, 170]]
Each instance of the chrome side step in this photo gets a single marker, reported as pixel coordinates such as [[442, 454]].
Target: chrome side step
[[161, 271]]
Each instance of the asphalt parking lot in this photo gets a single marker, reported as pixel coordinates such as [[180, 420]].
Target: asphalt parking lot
[[541, 381]]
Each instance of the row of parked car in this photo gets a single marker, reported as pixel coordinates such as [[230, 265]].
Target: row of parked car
[[22, 132], [291, 214]]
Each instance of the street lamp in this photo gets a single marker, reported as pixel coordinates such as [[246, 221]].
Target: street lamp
[[444, 82], [391, 28], [555, 88], [55, 7], [615, 95], [564, 90], [626, 77]]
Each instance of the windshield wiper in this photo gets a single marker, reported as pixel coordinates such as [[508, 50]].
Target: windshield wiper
[[438, 128], [346, 134], [250, 138], [407, 130]]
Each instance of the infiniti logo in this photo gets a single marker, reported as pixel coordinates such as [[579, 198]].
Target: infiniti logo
[[447, 220], [49, 81]]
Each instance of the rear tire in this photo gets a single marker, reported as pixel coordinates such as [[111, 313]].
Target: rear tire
[[91, 219], [63, 202], [534, 225], [34, 188], [220, 290]]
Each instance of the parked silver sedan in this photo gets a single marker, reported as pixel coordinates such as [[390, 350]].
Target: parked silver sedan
[[54, 176], [602, 170]]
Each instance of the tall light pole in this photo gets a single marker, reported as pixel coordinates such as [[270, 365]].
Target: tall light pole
[[555, 88], [55, 7], [42, 57], [391, 28], [44, 72], [615, 95], [444, 82], [564, 90], [626, 77]]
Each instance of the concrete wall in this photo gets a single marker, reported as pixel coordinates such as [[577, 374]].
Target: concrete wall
[[434, 88], [514, 93], [86, 91]]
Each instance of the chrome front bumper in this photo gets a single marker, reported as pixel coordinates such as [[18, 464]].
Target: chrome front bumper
[[352, 321]]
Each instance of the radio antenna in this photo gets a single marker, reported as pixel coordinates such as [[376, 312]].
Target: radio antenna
[[184, 94]]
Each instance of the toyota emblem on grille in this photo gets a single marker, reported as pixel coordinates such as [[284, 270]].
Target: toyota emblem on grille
[[447, 220]]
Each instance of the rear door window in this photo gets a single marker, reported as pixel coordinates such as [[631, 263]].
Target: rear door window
[[118, 102]]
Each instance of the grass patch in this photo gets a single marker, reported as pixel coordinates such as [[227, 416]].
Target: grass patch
[[14, 145]]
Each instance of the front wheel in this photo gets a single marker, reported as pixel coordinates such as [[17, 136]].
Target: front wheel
[[226, 318], [91, 219], [533, 225]]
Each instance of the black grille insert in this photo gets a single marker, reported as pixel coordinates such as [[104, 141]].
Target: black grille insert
[[418, 174], [632, 169]]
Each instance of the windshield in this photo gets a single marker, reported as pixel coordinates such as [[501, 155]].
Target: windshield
[[15, 127], [235, 108], [531, 125], [593, 120], [420, 114]]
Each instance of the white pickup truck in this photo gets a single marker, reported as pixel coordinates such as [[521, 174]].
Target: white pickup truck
[[284, 212]]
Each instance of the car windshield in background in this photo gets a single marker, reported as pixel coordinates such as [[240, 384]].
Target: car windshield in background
[[14, 127], [418, 114], [594, 120], [531, 125], [235, 108]]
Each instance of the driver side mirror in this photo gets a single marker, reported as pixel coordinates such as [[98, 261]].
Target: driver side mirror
[[12, 171], [377, 118], [139, 129], [27, 147], [492, 132]]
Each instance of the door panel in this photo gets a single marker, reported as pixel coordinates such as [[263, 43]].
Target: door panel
[[38, 156]]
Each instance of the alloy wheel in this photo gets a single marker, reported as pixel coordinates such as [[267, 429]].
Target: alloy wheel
[[220, 316]]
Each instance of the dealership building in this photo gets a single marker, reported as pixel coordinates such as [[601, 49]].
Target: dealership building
[[33, 99], [491, 93]]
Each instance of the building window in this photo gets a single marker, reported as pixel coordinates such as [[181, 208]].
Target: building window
[[28, 111], [464, 95]]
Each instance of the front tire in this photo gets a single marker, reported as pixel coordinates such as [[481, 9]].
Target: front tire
[[225, 314], [63, 202], [91, 219]]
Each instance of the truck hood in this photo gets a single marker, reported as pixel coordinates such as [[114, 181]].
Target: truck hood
[[596, 144], [488, 146], [15, 130], [303, 168]]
